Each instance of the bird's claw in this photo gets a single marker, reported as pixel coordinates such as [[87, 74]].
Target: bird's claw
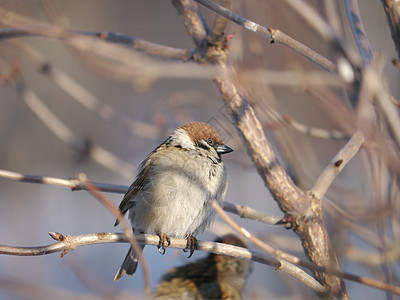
[[191, 245], [164, 242]]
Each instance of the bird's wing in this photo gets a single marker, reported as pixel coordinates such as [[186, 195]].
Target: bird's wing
[[140, 182]]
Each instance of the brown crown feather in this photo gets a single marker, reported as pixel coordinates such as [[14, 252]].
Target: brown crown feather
[[200, 130]]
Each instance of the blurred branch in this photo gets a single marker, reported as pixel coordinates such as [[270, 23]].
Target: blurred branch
[[127, 230], [145, 46], [353, 14], [296, 261], [83, 96], [286, 121], [303, 214], [115, 60], [392, 11], [194, 24], [72, 242], [348, 62], [271, 34], [336, 165], [331, 14], [217, 33], [373, 86], [65, 134], [309, 15], [75, 184], [107, 36], [302, 79]]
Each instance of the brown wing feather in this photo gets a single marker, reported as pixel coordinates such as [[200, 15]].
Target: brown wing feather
[[139, 183]]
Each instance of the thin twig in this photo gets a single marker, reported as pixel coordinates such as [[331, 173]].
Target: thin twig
[[336, 165], [65, 134], [83, 96], [286, 121], [392, 11], [310, 16], [297, 261], [374, 85], [73, 242], [217, 31], [76, 185], [290, 78], [305, 219], [113, 59], [113, 37], [357, 27], [127, 230], [192, 20], [250, 213], [272, 34]]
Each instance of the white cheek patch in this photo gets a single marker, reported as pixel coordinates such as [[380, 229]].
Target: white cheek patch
[[180, 138]]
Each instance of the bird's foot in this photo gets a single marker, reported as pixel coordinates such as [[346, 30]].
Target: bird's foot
[[191, 245], [164, 242]]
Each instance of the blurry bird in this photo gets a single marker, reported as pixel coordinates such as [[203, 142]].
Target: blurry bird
[[212, 277], [172, 192]]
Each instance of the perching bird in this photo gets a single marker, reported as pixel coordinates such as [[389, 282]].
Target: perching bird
[[212, 277], [172, 192]]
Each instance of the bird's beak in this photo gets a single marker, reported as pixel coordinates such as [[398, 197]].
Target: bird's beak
[[222, 149]]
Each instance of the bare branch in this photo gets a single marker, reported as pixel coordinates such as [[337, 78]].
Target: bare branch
[[145, 46], [73, 242], [272, 34], [303, 214], [336, 165], [373, 86], [75, 184], [392, 11], [127, 230], [194, 24], [65, 134], [83, 96], [113, 37], [113, 59], [250, 213], [310, 16], [296, 261], [353, 14], [279, 120], [217, 31]]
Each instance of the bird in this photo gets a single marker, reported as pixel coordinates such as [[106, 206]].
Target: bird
[[174, 187], [213, 277]]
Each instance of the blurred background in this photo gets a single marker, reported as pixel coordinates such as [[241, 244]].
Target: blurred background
[[146, 114]]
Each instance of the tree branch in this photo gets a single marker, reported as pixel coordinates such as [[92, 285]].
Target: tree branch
[[392, 11], [66, 135], [112, 37], [296, 261], [336, 165], [357, 27], [75, 184], [304, 215], [271, 34], [73, 242]]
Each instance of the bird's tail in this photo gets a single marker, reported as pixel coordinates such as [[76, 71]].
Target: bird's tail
[[129, 265]]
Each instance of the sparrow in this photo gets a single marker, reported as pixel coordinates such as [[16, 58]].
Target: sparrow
[[171, 193], [212, 277]]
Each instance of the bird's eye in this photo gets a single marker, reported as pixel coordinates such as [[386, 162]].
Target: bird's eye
[[210, 142]]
